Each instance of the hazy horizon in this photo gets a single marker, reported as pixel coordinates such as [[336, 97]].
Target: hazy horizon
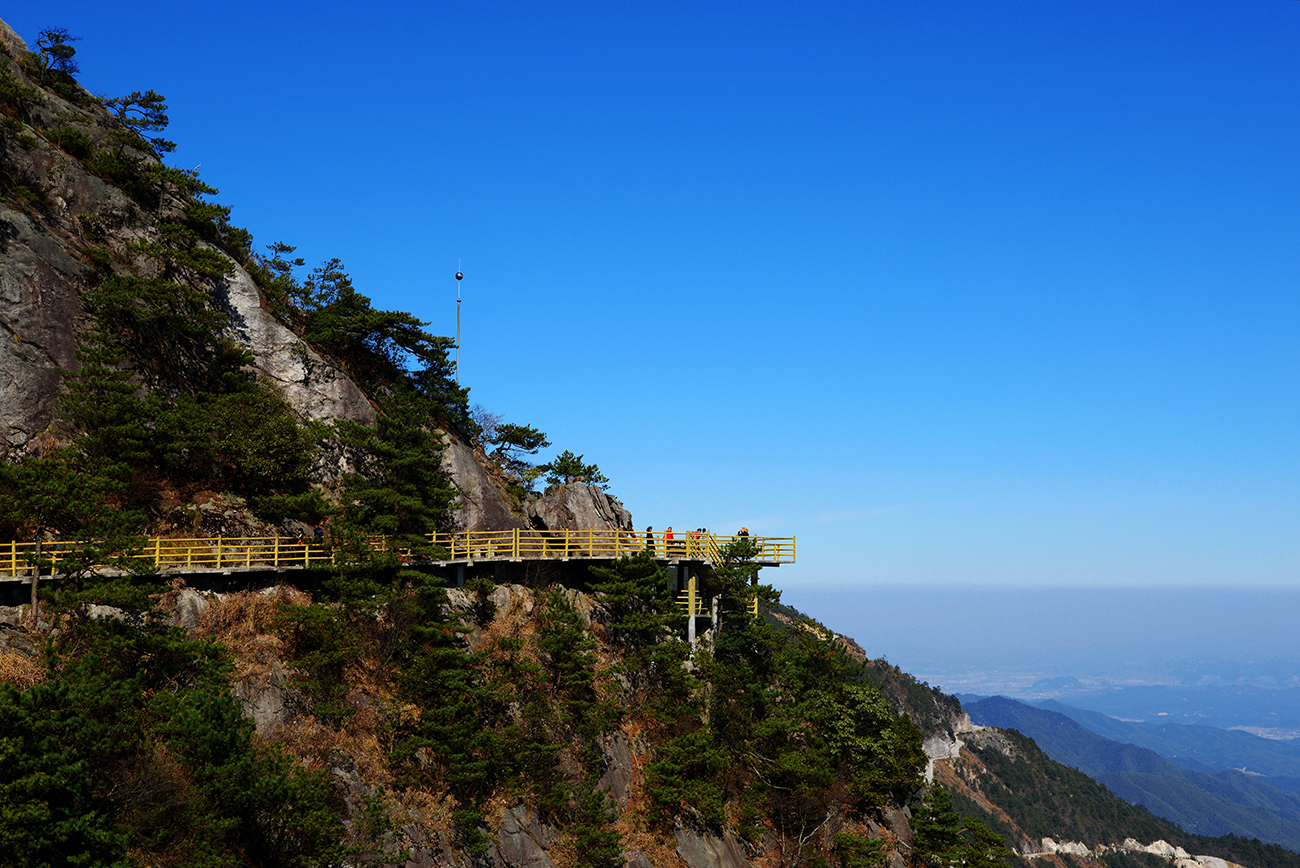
[[1002, 639]]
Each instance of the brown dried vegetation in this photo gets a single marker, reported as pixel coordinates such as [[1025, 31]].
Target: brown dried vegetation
[[19, 670]]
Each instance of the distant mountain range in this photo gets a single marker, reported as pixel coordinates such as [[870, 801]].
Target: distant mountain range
[[1188, 774], [1199, 703], [1199, 748]]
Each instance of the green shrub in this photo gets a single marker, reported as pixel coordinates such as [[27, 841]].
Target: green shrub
[[13, 93], [100, 256], [73, 141], [322, 645]]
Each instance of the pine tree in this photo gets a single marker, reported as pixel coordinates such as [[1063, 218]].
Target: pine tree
[[941, 838], [399, 493]]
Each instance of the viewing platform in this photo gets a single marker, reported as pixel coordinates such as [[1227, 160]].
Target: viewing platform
[[178, 556]]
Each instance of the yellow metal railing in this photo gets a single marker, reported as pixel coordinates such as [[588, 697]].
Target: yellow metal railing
[[184, 554], [691, 602], [212, 553], [708, 547]]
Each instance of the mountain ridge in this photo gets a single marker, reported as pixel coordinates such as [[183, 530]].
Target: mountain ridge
[[1203, 803]]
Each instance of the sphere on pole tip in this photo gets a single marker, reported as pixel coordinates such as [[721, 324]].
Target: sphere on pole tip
[[459, 275]]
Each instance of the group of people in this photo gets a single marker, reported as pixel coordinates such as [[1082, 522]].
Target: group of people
[[676, 545]]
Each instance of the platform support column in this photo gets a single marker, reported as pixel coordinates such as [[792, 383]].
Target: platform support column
[[692, 603]]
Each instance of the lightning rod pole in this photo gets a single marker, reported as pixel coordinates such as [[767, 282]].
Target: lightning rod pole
[[459, 277]]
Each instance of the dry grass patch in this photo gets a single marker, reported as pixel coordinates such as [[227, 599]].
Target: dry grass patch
[[239, 622], [22, 672]]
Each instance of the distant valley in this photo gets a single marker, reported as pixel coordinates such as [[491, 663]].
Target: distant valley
[[1209, 780]]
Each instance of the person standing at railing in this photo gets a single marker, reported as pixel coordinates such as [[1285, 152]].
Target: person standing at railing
[[668, 542], [650, 540], [317, 549]]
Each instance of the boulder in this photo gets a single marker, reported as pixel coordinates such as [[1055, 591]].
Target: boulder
[[616, 757], [577, 506], [190, 606], [266, 699]]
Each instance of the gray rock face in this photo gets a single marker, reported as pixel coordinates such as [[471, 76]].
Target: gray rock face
[[39, 305], [314, 387], [616, 752], [899, 821], [940, 746], [522, 840], [266, 700], [577, 506], [482, 504], [514, 606], [700, 848], [190, 606], [13, 43]]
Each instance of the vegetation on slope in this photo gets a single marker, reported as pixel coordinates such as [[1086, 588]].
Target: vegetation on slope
[[774, 733], [132, 751]]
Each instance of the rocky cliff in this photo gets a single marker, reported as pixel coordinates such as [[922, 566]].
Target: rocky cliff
[[64, 228], [63, 211]]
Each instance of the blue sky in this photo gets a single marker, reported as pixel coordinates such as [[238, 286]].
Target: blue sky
[[958, 293]]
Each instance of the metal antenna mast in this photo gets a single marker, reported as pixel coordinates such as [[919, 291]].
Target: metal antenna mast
[[459, 277]]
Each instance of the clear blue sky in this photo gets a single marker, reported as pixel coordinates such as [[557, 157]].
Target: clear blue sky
[[957, 293]]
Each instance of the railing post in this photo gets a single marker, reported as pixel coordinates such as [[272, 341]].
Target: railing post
[[516, 544], [690, 611]]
